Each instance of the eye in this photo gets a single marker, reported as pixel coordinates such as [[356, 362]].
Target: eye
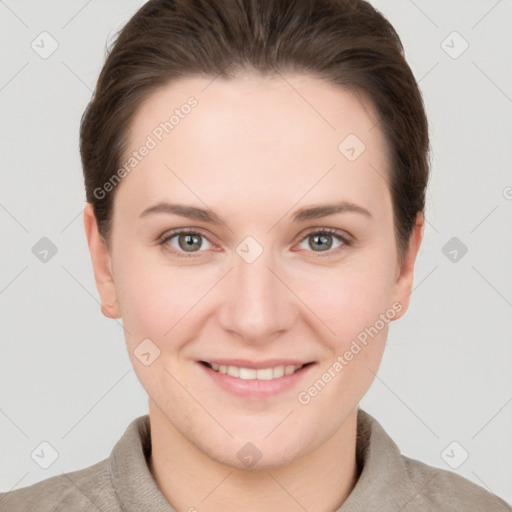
[[186, 242], [321, 240]]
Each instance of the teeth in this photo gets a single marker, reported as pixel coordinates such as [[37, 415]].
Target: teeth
[[233, 371], [251, 374], [247, 373], [279, 371], [289, 369], [264, 374]]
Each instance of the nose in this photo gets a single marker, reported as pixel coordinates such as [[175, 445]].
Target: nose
[[257, 305]]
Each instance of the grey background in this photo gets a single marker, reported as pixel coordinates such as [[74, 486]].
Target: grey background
[[446, 376]]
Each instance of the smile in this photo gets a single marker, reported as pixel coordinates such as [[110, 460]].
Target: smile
[[275, 372], [256, 380]]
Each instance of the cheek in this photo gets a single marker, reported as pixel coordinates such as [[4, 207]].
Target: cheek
[[154, 297], [349, 299], [157, 304], [359, 309], [359, 315]]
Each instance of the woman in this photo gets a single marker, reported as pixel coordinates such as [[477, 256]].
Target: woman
[[255, 175]]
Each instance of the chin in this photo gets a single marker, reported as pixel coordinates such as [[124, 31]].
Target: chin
[[263, 460]]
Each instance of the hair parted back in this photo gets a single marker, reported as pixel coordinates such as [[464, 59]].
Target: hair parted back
[[347, 42]]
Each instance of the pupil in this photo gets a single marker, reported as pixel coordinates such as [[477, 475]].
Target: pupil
[[190, 241], [322, 238]]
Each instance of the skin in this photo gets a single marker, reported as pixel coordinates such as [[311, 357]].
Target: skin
[[254, 151]]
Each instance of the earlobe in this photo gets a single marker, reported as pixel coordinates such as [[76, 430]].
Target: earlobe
[[405, 276], [101, 262]]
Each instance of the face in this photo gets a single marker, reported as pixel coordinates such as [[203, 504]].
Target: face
[[265, 279]]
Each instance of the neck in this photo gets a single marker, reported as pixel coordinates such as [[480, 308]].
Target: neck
[[320, 481]]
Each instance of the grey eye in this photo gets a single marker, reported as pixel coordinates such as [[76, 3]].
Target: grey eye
[[188, 242]]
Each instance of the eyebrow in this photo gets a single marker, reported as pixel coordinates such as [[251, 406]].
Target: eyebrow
[[301, 215]]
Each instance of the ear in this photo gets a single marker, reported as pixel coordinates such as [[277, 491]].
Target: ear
[[405, 273], [102, 265]]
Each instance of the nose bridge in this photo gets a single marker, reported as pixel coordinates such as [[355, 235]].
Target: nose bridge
[[256, 304]]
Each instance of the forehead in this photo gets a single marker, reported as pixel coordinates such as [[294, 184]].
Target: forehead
[[267, 135], [296, 107]]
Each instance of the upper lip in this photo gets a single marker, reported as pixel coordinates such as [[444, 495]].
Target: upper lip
[[268, 363]]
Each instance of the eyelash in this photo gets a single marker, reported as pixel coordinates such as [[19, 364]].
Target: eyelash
[[162, 241]]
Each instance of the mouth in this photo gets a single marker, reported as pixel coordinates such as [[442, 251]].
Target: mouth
[[271, 372]]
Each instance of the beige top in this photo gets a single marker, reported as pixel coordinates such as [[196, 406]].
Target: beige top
[[388, 481]]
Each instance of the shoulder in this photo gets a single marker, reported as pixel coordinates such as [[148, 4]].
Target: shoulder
[[86, 489], [439, 489], [390, 481]]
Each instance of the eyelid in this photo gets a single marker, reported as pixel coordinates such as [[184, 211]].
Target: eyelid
[[336, 232], [173, 232]]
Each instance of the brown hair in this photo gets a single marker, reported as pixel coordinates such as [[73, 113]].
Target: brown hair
[[348, 42]]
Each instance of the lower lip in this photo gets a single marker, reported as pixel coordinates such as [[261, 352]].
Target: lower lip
[[255, 388]]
